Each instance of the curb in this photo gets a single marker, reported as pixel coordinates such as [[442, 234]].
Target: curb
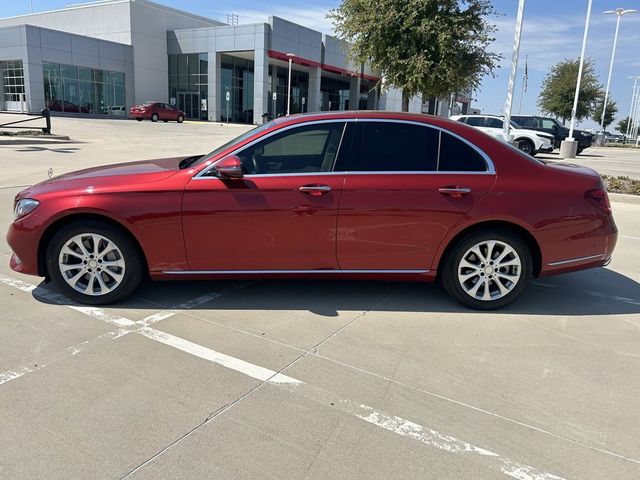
[[13, 140], [624, 198]]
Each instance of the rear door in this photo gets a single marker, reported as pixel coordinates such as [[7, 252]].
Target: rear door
[[407, 184]]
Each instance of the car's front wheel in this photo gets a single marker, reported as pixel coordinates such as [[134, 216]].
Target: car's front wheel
[[154, 117], [180, 119], [94, 263], [527, 147], [487, 270]]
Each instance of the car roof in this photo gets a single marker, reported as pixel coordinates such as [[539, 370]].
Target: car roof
[[366, 115]]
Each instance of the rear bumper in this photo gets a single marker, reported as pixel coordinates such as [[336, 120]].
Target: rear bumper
[[581, 252]]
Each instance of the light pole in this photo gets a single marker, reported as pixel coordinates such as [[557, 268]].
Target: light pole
[[569, 146], [514, 69], [290, 55], [633, 100], [619, 13]]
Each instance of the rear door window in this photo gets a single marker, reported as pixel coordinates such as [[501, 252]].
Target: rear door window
[[494, 123], [476, 121], [396, 147]]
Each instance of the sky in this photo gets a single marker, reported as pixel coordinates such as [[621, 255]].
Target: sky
[[552, 32]]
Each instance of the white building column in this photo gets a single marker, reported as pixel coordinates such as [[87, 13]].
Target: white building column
[[260, 86], [213, 84], [314, 102]]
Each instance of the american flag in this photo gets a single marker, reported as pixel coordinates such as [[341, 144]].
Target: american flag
[[526, 72]]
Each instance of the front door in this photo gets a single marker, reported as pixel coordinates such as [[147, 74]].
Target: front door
[[189, 103], [280, 216], [406, 186]]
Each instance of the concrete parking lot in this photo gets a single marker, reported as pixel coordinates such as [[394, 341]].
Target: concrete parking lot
[[310, 380]]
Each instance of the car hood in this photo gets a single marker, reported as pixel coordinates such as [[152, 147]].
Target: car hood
[[108, 176]]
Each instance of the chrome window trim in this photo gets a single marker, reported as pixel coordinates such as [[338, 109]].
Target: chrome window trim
[[488, 162], [292, 272], [575, 260]]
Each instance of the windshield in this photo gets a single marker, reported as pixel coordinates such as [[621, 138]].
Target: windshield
[[230, 143]]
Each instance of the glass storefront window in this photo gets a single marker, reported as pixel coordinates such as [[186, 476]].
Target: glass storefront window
[[13, 92], [335, 94], [188, 84], [237, 80], [68, 88], [278, 78]]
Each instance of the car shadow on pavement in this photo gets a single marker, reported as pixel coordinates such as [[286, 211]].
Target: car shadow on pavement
[[592, 292]]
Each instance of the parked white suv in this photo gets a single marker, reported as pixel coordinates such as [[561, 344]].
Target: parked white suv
[[529, 141]]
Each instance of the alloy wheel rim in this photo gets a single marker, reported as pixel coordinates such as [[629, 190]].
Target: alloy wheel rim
[[525, 147], [489, 270], [91, 264]]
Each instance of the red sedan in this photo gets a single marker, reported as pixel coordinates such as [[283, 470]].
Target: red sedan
[[339, 195], [155, 111]]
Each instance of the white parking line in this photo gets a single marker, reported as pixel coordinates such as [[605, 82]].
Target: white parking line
[[249, 369], [94, 312], [629, 237]]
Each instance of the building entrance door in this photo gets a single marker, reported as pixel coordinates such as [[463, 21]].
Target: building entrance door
[[189, 103]]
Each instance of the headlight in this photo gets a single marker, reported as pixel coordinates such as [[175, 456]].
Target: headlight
[[24, 206]]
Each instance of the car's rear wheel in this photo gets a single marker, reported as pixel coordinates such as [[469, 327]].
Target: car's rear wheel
[[94, 263], [487, 270], [527, 147], [139, 119], [154, 117], [180, 119], [579, 151]]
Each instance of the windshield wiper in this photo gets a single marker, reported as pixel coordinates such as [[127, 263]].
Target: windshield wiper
[[186, 162]]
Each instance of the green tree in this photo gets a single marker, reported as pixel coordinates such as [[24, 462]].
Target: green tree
[[559, 87], [430, 47], [610, 113], [623, 125]]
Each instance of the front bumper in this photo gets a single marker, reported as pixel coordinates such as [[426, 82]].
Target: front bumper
[[24, 240]]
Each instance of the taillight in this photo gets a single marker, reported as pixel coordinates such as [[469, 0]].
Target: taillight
[[599, 198]]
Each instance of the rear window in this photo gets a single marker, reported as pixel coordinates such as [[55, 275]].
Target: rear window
[[524, 121]]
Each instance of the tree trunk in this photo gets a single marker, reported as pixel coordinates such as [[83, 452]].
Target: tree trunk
[[405, 101]]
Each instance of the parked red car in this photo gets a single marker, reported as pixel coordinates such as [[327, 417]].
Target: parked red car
[[155, 111], [337, 195]]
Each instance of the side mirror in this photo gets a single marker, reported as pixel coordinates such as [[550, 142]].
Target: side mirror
[[554, 127], [229, 167]]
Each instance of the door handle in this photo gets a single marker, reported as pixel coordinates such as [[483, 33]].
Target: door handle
[[455, 192], [314, 189]]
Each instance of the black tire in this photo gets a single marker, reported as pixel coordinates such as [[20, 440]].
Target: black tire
[[154, 117], [134, 266], [527, 146], [139, 119], [451, 264], [180, 119], [165, 121], [580, 150]]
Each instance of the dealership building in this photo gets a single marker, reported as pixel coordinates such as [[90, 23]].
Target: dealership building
[[102, 57]]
